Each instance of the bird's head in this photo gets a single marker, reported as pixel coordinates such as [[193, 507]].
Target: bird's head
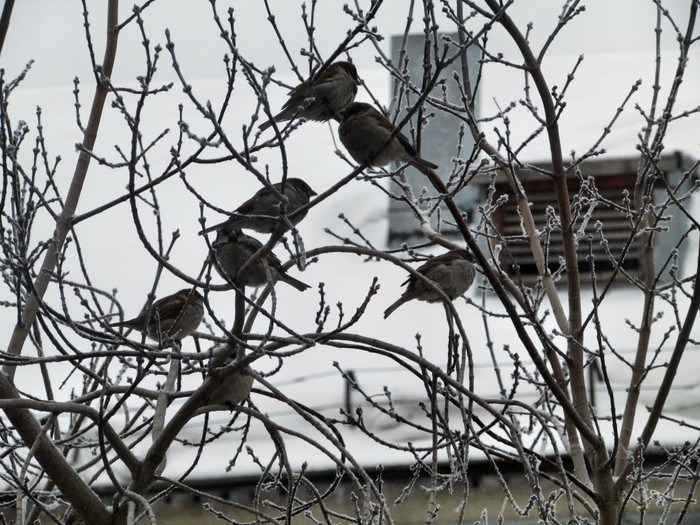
[[349, 69], [355, 109], [226, 236], [301, 187], [465, 254]]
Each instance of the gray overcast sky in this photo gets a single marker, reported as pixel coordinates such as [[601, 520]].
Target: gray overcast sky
[[51, 32]]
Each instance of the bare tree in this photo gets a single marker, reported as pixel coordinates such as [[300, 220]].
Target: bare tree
[[580, 462]]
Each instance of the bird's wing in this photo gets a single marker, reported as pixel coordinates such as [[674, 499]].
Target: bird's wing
[[403, 140], [273, 260], [249, 206], [389, 127], [298, 94]]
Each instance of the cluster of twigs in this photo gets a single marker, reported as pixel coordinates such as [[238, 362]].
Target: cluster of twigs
[[541, 419]]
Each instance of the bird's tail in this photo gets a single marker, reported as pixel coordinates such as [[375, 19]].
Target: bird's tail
[[281, 116], [395, 305], [423, 165], [265, 125], [210, 229], [225, 226], [296, 283], [134, 324]]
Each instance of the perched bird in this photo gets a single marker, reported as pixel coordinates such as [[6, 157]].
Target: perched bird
[[453, 272], [320, 97], [261, 211], [364, 132], [165, 311], [232, 387], [233, 249], [232, 391]]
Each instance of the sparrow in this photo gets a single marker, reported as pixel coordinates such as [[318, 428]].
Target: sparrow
[[364, 132], [320, 97], [261, 211], [165, 311], [453, 272], [232, 250], [232, 388], [233, 391]]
